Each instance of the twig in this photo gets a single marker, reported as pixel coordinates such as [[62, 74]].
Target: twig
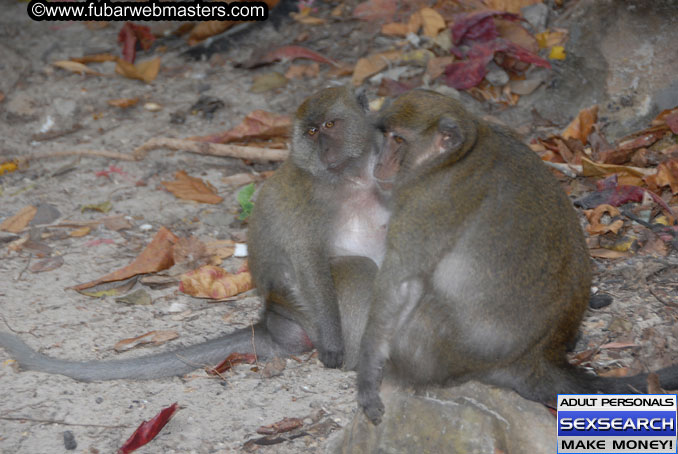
[[570, 170], [64, 423], [212, 149], [23, 160], [254, 347]]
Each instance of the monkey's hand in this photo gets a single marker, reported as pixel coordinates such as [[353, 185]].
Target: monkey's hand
[[370, 402]]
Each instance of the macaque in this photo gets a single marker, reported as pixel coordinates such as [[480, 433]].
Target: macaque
[[486, 274], [316, 235]]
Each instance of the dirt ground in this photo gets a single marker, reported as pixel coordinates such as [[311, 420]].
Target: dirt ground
[[216, 416]]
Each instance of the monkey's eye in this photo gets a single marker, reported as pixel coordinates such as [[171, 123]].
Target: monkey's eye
[[328, 124], [311, 131], [398, 139]]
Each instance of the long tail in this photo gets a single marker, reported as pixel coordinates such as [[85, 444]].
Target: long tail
[[544, 381], [178, 362]]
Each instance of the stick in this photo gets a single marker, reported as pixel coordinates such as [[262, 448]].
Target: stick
[[212, 149], [64, 423]]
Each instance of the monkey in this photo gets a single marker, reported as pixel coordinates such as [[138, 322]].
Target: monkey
[[321, 205], [486, 274]]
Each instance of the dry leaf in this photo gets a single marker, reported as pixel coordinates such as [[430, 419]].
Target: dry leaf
[[432, 22], [95, 58], [603, 253], [76, 67], [146, 70], [219, 250], [116, 223], [49, 264], [435, 67], [299, 71], [594, 169], [191, 188], [511, 6], [259, 125], [373, 10], [551, 38], [147, 430], [595, 215], [82, 231], [266, 82], [305, 18], [19, 221], [232, 360], [123, 103], [213, 282], [414, 23], [517, 34], [395, 29], [667, 175], [152, 337], [284, 425], [373, 64], [582, 125], [157, 256]]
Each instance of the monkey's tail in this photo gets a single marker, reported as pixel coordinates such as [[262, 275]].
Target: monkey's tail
[[545, 381], [178, 362]]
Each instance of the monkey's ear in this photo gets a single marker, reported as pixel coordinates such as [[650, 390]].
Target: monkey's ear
[[363, 102], [450, 136]]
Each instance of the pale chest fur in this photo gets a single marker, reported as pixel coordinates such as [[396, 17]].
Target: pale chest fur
[[360, 223]]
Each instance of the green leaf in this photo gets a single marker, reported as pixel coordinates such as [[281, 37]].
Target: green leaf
[[244, 199]]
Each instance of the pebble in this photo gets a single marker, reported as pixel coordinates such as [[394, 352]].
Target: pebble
[[69, 441]]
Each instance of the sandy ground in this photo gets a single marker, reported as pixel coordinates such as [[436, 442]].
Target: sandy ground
[[216, 416]]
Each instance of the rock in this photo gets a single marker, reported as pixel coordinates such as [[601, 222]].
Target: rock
[[471, 418], [536, 15], [69, 441], [496, 76]]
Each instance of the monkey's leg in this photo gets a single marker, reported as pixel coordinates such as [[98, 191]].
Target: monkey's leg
[[391, 308], [274, 336]]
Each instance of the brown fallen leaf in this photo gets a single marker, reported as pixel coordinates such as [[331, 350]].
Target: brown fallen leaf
[[617, 345], [48, 264], [603, 253], [146, 70], [19, 221], [191, 188], [306, 19], [667, 175], [266, 82], [373, 64], [511, 6], [95, 58], [219, 250], [157, 256], [395, 29], [550, 38], [152, 337], [582, 125], [432, 22], [75, 67], [374, 10], [232, 360], [215, 283], [435, 67], [123, 103], [80, 232], [300, 71], [258, 124], [594, 216], [284, 425]]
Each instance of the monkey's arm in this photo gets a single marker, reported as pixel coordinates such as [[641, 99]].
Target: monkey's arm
[[394, 300]]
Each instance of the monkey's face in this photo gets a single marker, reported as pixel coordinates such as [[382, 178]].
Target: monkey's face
[[331, 131], [422, 129]]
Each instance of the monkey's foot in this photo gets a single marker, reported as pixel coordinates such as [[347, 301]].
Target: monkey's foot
[[331, 358], [372, 406]]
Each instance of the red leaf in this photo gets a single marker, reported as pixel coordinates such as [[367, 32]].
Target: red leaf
[[672, 122], [129, 35], [232, 360], [478, 26], [465, 74], [147, 430], [611, 193]]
